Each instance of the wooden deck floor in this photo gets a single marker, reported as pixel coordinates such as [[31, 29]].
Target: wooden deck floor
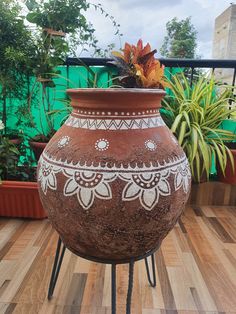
[[196, 269]]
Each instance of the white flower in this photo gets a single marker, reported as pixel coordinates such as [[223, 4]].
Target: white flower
[[1, 125], [46, 176], [183, 177], [87, 185], [147, 186]]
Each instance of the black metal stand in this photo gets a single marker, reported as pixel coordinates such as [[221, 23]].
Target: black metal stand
[[56, 267], [153, 282], [59, 258]]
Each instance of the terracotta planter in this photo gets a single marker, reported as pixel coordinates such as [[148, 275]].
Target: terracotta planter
[[20, 199], [113, 179], [16, 141], [230, 174], [37, 148]]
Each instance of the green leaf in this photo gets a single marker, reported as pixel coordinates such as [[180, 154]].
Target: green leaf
[[32, 17], [176, 122]]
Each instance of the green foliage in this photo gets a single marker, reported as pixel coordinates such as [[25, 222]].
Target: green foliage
[[59, 15], [194, 114], [16, 47], [60, 27], [180, 41], [16, 52], [9, 156]]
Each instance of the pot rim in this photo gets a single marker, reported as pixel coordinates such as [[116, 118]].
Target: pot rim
[[157, 91]]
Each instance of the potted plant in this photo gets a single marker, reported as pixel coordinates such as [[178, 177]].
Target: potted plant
[[229, 175], [18, 189], [113, 179], [55, 19], [194, 114]]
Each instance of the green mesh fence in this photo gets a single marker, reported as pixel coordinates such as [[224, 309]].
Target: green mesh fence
[[71, 77], [20, 112]]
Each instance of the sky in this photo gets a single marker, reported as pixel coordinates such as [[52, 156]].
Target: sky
[[147, 19]]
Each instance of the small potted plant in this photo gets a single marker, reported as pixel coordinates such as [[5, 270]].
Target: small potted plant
[[229, 175], [18, 190]]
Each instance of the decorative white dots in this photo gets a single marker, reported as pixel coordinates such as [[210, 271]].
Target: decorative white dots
[[102, 144], [64, 140], [109, 113], [150, 145]]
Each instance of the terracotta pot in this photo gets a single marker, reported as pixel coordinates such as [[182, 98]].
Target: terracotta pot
[[20, 199], [37, 148], [16, 141], [113, 179], [230, 174]]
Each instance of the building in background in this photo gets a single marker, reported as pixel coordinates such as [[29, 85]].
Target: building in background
[[224, 42]]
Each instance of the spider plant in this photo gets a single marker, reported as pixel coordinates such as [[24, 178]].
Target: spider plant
[[194, 114]]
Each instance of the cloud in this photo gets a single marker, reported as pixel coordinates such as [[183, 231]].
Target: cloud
[[153, 4], [147, 20]]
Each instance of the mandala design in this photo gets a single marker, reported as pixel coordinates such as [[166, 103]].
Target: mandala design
[[87, 185], [182, 178], [150, 145], [63, 141], [147, 187], [46, 176], [87, 182], [102, 144]]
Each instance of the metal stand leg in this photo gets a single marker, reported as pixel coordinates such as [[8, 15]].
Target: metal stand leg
[[152, 283], [56, 267], [130, 287], [113, 288]]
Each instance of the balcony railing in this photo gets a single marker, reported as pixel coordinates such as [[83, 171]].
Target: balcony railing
[[74, 75], [192, 64]]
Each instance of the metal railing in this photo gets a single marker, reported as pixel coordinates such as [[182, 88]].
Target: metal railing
[[192, 64]]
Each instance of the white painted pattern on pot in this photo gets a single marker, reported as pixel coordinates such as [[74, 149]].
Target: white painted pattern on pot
[[150, 145], [115, 124], [116, 113], [102, 144], [90, 181], [64, 140]]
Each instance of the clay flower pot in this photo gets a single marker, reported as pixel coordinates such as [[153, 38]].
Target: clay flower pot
[[230, 172], [20, 199], [113, 179], [37, 148]]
